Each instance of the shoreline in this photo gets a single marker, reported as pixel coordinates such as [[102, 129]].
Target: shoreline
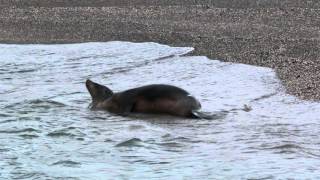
[[284, 36]]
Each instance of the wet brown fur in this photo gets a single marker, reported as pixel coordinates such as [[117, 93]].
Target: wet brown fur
[[164, 99], [165, 106]]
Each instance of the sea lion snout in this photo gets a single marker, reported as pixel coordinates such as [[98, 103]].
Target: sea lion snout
[[98, 92], [89, 84]]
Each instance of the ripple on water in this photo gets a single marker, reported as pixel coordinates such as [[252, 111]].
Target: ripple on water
[[133, 142], [34, 105], [71, 132], [2, 150], [294, 148], [2, 115], [29, 136], [66, 163], [26, 175], [16, 131], [283, 148], [46, 104]]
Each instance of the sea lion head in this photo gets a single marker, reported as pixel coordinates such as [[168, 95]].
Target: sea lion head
[[98, 92]]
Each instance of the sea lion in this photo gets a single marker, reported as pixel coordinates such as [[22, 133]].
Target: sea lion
[[155, 98]]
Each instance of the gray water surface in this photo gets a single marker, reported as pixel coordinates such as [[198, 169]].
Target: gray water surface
[[48, 132]]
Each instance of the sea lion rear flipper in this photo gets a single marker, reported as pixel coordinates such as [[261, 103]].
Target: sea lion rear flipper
[[209, 115], [200, 115]]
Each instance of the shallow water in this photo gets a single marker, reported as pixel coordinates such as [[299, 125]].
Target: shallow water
[[48, 132]]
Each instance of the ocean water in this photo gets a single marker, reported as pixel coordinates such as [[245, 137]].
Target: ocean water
[[47, 130]]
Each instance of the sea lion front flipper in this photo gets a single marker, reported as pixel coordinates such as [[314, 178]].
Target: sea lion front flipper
[[126, 110], [121, 105]]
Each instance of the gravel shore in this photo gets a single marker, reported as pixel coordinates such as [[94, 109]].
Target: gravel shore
[[284, 35]]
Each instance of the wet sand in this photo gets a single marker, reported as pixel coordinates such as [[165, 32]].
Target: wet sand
[[284, 35]]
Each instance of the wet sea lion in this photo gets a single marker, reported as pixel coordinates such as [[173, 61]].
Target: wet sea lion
[[156, 98]]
